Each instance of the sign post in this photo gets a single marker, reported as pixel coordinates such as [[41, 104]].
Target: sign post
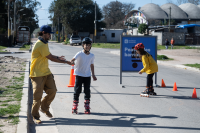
[[129, 59]]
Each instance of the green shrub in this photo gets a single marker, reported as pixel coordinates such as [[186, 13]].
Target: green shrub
[[142, 28], [67, 41], [162, 57]]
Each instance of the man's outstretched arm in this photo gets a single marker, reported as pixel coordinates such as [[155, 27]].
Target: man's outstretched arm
[[58, 59]]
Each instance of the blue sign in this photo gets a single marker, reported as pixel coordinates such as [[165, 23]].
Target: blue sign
[[130, 61]]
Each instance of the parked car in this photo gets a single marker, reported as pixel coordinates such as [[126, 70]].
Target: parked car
[[75, 39]]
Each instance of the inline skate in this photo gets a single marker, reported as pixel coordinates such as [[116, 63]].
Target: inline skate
[[87, 106], [75, 107]]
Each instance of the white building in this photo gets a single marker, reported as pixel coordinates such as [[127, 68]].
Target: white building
[[112, 35]]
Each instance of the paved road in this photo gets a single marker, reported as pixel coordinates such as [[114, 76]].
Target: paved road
[[116, 109]]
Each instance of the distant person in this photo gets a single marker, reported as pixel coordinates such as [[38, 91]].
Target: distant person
[[172, 43], [166, 43], [41, 76], [150, 67], [84, 66]]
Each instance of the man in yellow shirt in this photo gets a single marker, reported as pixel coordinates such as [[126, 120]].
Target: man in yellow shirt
[[41, 76]]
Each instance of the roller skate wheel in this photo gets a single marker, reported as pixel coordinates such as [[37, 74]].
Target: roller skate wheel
[[87, 112], [74, 112]]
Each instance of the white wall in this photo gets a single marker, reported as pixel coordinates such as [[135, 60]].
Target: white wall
[[108, 33], [159, 37]]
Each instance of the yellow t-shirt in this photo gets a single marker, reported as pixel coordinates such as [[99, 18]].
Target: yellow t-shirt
[[149, 64], [39, 63]]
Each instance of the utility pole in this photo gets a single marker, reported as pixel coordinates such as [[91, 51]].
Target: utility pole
[[15, 15], [95, 22], [53, 31], [169, 17], [9, 31], [11, 24], [58, 29], [63, 33]]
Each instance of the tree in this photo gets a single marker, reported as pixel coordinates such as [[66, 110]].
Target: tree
[[142, 28], [114, 13], [3, 17], [29, 8], [30, 19], [75, 15]]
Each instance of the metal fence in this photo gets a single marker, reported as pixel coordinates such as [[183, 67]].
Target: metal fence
[[192, 38]]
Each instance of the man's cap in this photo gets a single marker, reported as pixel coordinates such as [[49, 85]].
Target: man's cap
[[46, 29]]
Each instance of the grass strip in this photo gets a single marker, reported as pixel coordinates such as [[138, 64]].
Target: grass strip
[[159, 47], [14, 119], [5, 104], [107, 45], [2, 48], [25, 47], [11, 109], [163, 57], [0, 129], [196, 65]]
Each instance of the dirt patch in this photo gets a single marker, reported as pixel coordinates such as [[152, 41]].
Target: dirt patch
[[181, 56], [181, 52], [11, 82]]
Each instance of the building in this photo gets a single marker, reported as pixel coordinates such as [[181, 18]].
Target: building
[[157, 17]]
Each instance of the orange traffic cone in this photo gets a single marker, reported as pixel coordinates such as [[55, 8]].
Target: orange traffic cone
[[194, 95], [163, 83], [72, 78], [175, 87]]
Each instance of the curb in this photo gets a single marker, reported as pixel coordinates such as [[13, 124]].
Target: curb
[[22, 126], [189, 68]]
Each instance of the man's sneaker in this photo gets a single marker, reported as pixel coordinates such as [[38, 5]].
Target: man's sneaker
[[37, 120], [47, 113]]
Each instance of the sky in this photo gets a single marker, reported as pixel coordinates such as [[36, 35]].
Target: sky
[[43, 11]]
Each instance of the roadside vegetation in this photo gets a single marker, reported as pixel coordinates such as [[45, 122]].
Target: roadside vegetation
[[25, 47], [163, 57], [159, 47], [66, 41], [11, 86], [10, 97], [193, 65], [107, 45], [2, 48]]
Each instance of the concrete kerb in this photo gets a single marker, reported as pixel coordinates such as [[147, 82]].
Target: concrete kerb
[[22, 126]]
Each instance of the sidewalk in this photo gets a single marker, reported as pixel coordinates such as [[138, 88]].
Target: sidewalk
[[179, 56]]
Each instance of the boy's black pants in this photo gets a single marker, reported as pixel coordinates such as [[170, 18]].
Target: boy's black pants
[[150, 80], [78, 87]]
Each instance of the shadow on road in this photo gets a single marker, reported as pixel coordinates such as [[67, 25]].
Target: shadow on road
[[123, 120]]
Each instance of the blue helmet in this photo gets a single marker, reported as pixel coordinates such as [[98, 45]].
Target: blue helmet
[[87, 40]]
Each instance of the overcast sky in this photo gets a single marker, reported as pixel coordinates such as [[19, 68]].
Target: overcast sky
[[43, 12]]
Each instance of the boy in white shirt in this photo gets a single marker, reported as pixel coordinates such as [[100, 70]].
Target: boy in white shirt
[[84, 65]]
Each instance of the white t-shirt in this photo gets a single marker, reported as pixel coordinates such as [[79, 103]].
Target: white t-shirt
[[82, 64]]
